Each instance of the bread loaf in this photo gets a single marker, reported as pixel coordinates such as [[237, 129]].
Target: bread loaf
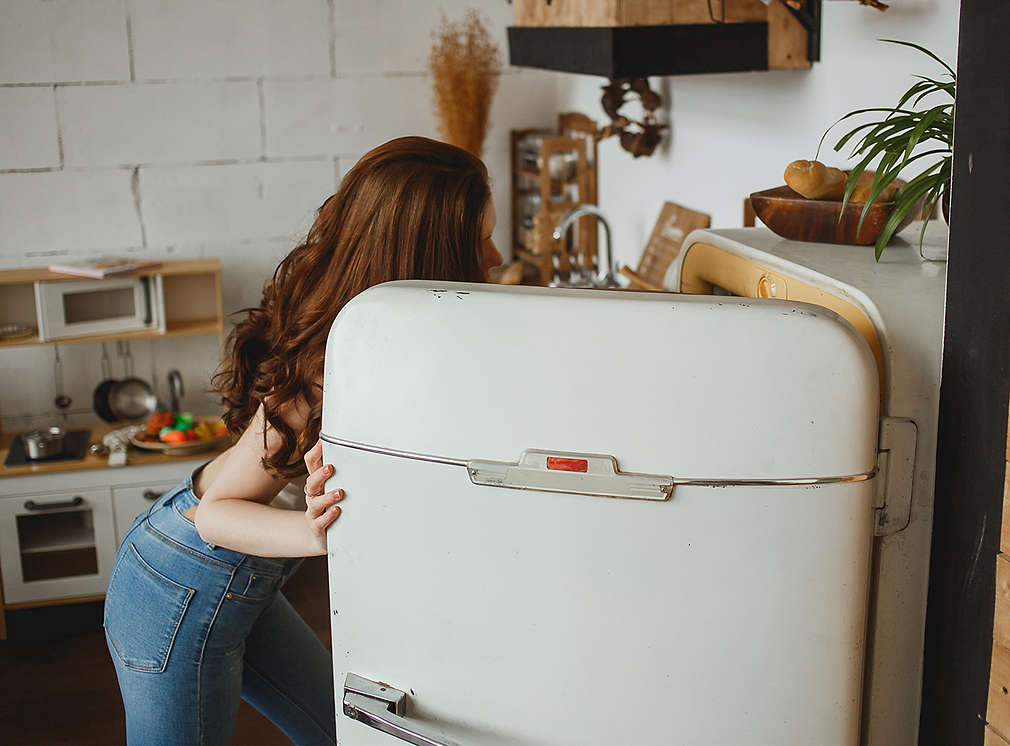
[[861, 192], [814, 180]]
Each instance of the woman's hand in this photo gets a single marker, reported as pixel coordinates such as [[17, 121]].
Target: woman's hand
[[321, 507]]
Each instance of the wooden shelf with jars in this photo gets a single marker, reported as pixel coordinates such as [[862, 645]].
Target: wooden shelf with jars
[[552, 172], [174, 298]]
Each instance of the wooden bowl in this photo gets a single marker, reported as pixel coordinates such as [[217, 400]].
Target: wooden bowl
[[792, 216]]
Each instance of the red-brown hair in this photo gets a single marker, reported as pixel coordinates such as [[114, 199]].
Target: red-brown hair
[[409, 209]]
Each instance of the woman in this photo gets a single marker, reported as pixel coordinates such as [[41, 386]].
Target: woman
[[194, 616]]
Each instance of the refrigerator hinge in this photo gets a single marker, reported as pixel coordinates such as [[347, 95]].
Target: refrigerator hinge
[[892, 498]]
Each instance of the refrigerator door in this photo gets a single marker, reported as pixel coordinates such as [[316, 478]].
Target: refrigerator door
[[564, 602]]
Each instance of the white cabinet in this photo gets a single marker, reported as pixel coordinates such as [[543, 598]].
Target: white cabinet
[[129, 502], [56, 544], [59, 532]]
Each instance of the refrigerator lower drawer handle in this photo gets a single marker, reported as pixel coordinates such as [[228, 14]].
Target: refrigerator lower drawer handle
[[382, 707]]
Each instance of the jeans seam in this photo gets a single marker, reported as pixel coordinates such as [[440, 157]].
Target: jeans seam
[[196, 555], [284, 694], [190, 592], [203, 648], [182, 515]]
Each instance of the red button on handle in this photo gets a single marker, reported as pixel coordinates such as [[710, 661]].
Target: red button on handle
[[567, 464]]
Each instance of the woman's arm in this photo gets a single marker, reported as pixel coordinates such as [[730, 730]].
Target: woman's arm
[[233, 511]]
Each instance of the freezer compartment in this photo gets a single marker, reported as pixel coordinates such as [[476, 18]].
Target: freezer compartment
[[684, 386], [722, 615]]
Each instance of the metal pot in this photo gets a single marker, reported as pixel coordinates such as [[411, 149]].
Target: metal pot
[[100, 399], [131, 398], [46, 443]]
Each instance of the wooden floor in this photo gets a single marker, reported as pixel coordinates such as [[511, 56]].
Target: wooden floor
[[58, 684]]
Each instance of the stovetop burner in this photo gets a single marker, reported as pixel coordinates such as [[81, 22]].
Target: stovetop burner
[[75, 447]]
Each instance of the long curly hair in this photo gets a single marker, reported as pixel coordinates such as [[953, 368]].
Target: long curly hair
[[409, 209]]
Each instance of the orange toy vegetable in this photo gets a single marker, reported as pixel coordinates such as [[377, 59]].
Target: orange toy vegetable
[[175, 436]]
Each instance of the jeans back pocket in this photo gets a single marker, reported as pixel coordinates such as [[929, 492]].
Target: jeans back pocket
[[143, 611]]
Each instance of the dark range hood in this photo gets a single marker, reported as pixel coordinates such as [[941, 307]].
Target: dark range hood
[[641, 51]]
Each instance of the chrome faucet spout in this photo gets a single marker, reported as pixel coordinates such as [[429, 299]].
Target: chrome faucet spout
[[605, 257]]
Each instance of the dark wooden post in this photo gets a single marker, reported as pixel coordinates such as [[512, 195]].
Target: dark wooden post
[[973, 393]]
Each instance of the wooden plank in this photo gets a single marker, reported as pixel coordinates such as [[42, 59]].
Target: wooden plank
[[168, 267], [732, 11], [1004, 541], [609, 13], [673, 224], [998, 704], [565, 13], [787, 39], [749, 216], [992, 738], [1001, 616], [185, 328]]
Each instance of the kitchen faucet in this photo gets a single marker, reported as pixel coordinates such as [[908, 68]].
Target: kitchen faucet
[[605, 265]]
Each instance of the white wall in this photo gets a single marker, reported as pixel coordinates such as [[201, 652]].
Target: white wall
[[733, 134], [191, 128], [175, 128]]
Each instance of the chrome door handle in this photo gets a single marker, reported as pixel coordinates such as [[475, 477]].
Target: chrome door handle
[[382, 707], [76, 502]]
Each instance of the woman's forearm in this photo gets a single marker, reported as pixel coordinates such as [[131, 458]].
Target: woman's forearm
[[254, 528]]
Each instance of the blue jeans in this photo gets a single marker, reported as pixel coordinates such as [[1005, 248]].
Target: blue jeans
[[193, 627]]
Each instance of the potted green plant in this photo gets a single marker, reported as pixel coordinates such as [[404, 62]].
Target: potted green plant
[[910, 131]]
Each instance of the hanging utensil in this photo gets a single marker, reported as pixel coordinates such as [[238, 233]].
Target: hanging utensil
[[131, 398], [100, 398], [62, 401]]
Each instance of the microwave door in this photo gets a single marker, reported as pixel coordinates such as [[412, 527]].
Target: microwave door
[[86, 307]]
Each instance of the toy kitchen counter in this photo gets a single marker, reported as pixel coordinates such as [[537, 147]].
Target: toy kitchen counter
[[62, 519]]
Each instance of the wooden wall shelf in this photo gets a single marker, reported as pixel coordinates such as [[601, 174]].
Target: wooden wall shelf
[[192, 302], [679, 37]]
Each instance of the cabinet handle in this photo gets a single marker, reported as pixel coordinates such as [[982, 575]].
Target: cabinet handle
[[32, 505], [151, 495]]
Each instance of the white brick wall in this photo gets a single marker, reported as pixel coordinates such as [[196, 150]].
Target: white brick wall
[[206, 128], [336, 116], [359, 23], [170, 123], [65, 212], [217, 204], [45, 41], [228, 38], [28, 137]]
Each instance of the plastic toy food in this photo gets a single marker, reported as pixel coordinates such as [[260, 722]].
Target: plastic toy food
[[182, 427]]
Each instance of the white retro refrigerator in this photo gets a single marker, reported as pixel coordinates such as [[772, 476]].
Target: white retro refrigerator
[[597, 517]]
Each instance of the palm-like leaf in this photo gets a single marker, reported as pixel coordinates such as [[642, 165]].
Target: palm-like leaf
[[894, 140]]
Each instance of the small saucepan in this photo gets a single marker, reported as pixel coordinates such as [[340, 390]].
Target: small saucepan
[[46, 443]]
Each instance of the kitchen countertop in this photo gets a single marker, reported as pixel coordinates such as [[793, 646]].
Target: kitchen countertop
[[135, 457]]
